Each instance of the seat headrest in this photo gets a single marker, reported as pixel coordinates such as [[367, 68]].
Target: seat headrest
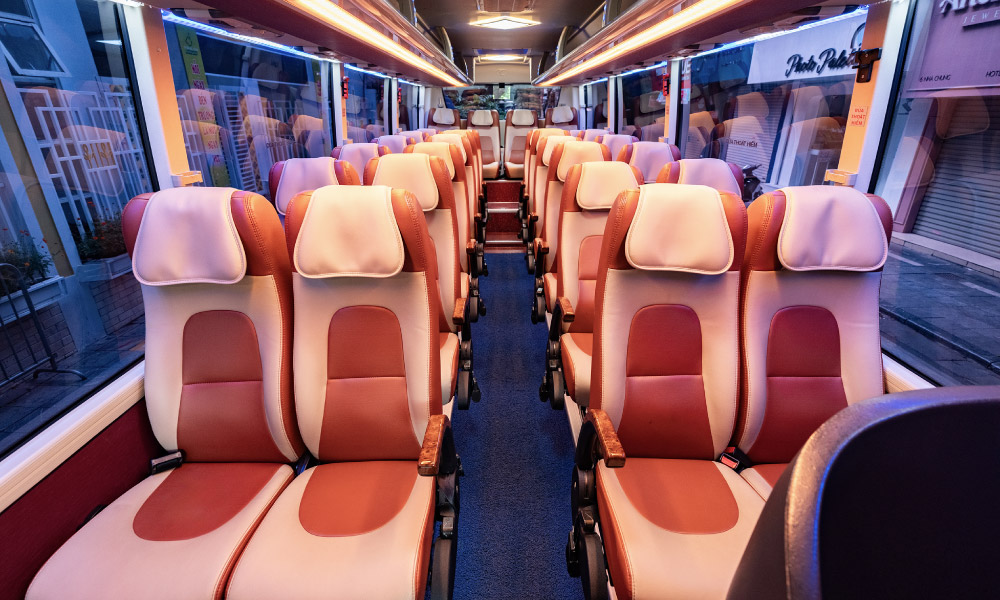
[[396, 143], [410, 172], [521, 117], [601, 182], [712, 172], [359, 152], [680, 228], [828, 228], [444, 116], [575, 152], [551, 143], [303, 174], [650, 102], [427, 131], [482, 118], [349, 231], [649, 157], [440, 149], [188, 235], [562, 114], [590, 135], [454, 139]]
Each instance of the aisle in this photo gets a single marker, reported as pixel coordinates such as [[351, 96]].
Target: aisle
[[517, 455]]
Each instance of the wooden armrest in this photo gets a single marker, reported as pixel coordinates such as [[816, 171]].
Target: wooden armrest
[[430, 452], [611, 446], [470, 247], [541, 248], [567, 309], [458, 316]]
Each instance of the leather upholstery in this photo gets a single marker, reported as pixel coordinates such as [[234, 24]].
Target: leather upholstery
[[616, 143], [443, 118], [563, 117], [723, 176], [289, 177], [649, 157], [357, 154], [469, 158], [519, 122], [564, 156], [458, 169], [591, 135], [540, 179], [531, 159], [395, 143], [487, 123]]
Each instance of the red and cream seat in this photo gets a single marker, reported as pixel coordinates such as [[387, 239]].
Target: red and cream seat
[[649, 157], [592, 135], [673, 520], [518, 123], [395, 143], [439, 119], [811, 322], [367, 391], [530, 162], [563, 117], [359, 154], [216, 287], [723, 176], [539, 183], [590, 190], [417, 135], [487, 123], [289, 177], [475, 141], [616, 142]]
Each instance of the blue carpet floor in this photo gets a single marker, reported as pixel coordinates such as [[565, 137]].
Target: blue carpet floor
[[517, 454]]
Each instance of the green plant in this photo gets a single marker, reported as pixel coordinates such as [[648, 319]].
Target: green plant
[[23, 254], [104, 241]]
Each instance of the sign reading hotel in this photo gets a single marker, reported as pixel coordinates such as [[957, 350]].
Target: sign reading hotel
[[962, 48], [822, 51]]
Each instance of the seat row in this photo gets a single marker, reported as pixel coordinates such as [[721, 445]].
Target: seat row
[[706, 342], [324, 346]]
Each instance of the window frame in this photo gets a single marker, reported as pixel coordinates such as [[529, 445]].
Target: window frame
[[21, 71]]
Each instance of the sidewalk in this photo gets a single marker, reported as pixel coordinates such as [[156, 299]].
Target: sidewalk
[[941, 318]]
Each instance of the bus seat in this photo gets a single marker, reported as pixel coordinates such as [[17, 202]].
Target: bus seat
[[417, 135], [649, 157], [477, 153], [289, 177], [519, 122], [591, 135], [394, 143], [563, 117], [367, 391], [358, 154], [439, 119], [811, 320], [590, 190], [723, 176], [487, 123], [536, 207], [663, 400], [936, 534], [615, 142], [216, 287]]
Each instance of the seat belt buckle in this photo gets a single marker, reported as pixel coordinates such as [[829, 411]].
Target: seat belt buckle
[[165, 463], [734, 458]]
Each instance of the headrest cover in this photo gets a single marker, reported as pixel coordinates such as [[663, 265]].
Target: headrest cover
[[830, 228], [439, 149], [576, 152], [410, 172], [601, 182], [359, 152], [397, 143], [188, 235], [650, 102], [649, 157], [301, 175], [589, 135], [521, 117], [712, 172], [454, 139], [444, 116], [562, 114], [415, 134], [482, 118], [349, 231], [680, 228], [551, 142]]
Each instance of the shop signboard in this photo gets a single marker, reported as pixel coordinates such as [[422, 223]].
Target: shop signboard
[[821, 51], [961, 48]]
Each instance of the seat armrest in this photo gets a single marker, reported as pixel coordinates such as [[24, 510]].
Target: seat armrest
[[598, 440], [540, 249], [460, 316], [431, 451], [567, 309]]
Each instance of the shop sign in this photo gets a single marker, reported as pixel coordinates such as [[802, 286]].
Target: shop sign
[[961, 50], [822, 51]]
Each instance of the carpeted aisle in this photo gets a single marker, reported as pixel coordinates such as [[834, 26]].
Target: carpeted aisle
[[517, 454]]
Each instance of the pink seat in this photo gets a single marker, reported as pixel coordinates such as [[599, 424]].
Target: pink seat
[[487, 123], [358, 154], [723, 176], [519, 122], [394, 143], [289, 177], [649, 157]]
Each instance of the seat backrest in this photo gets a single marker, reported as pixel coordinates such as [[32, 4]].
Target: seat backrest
[[590, 190], [540, 180], [616, 143], [394, 143], [358, 154], [564, 156], [367, 376], [487, 123], [417, 135], [531, 155], [649, 157], [440, 119], [475, 143], [216, 287], [666, 332], [289, 177], [810, 313], [723, 176], [563, 117], [591, 135], [428, 179], [468, 156], [519, 122], [456, 164]]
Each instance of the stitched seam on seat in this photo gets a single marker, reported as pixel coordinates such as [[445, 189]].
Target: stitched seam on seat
[[768, 208], [416, 555], [621, 541]]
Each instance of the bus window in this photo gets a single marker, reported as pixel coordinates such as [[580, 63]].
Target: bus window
[[595, 98], [409, 106], [502, 98], [645, 98], [365, 107], [940, 295]]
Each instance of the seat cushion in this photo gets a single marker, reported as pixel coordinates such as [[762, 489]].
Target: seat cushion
[[176, 534], [345, 530], [577, 356], [674, 528], [763, 477], [449, 365], [514, 170]]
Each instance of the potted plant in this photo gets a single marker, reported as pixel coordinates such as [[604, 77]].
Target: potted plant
[[33, 264], [103, 252]]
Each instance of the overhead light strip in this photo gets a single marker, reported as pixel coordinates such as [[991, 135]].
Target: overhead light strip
[[681, 20], [643, 69], [340, 19], [366, 71], [246, 39]]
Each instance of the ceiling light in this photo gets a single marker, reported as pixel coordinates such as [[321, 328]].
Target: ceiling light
[[344, 21], [110, 42], [504, 22], [502, 57], [681, 20]]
